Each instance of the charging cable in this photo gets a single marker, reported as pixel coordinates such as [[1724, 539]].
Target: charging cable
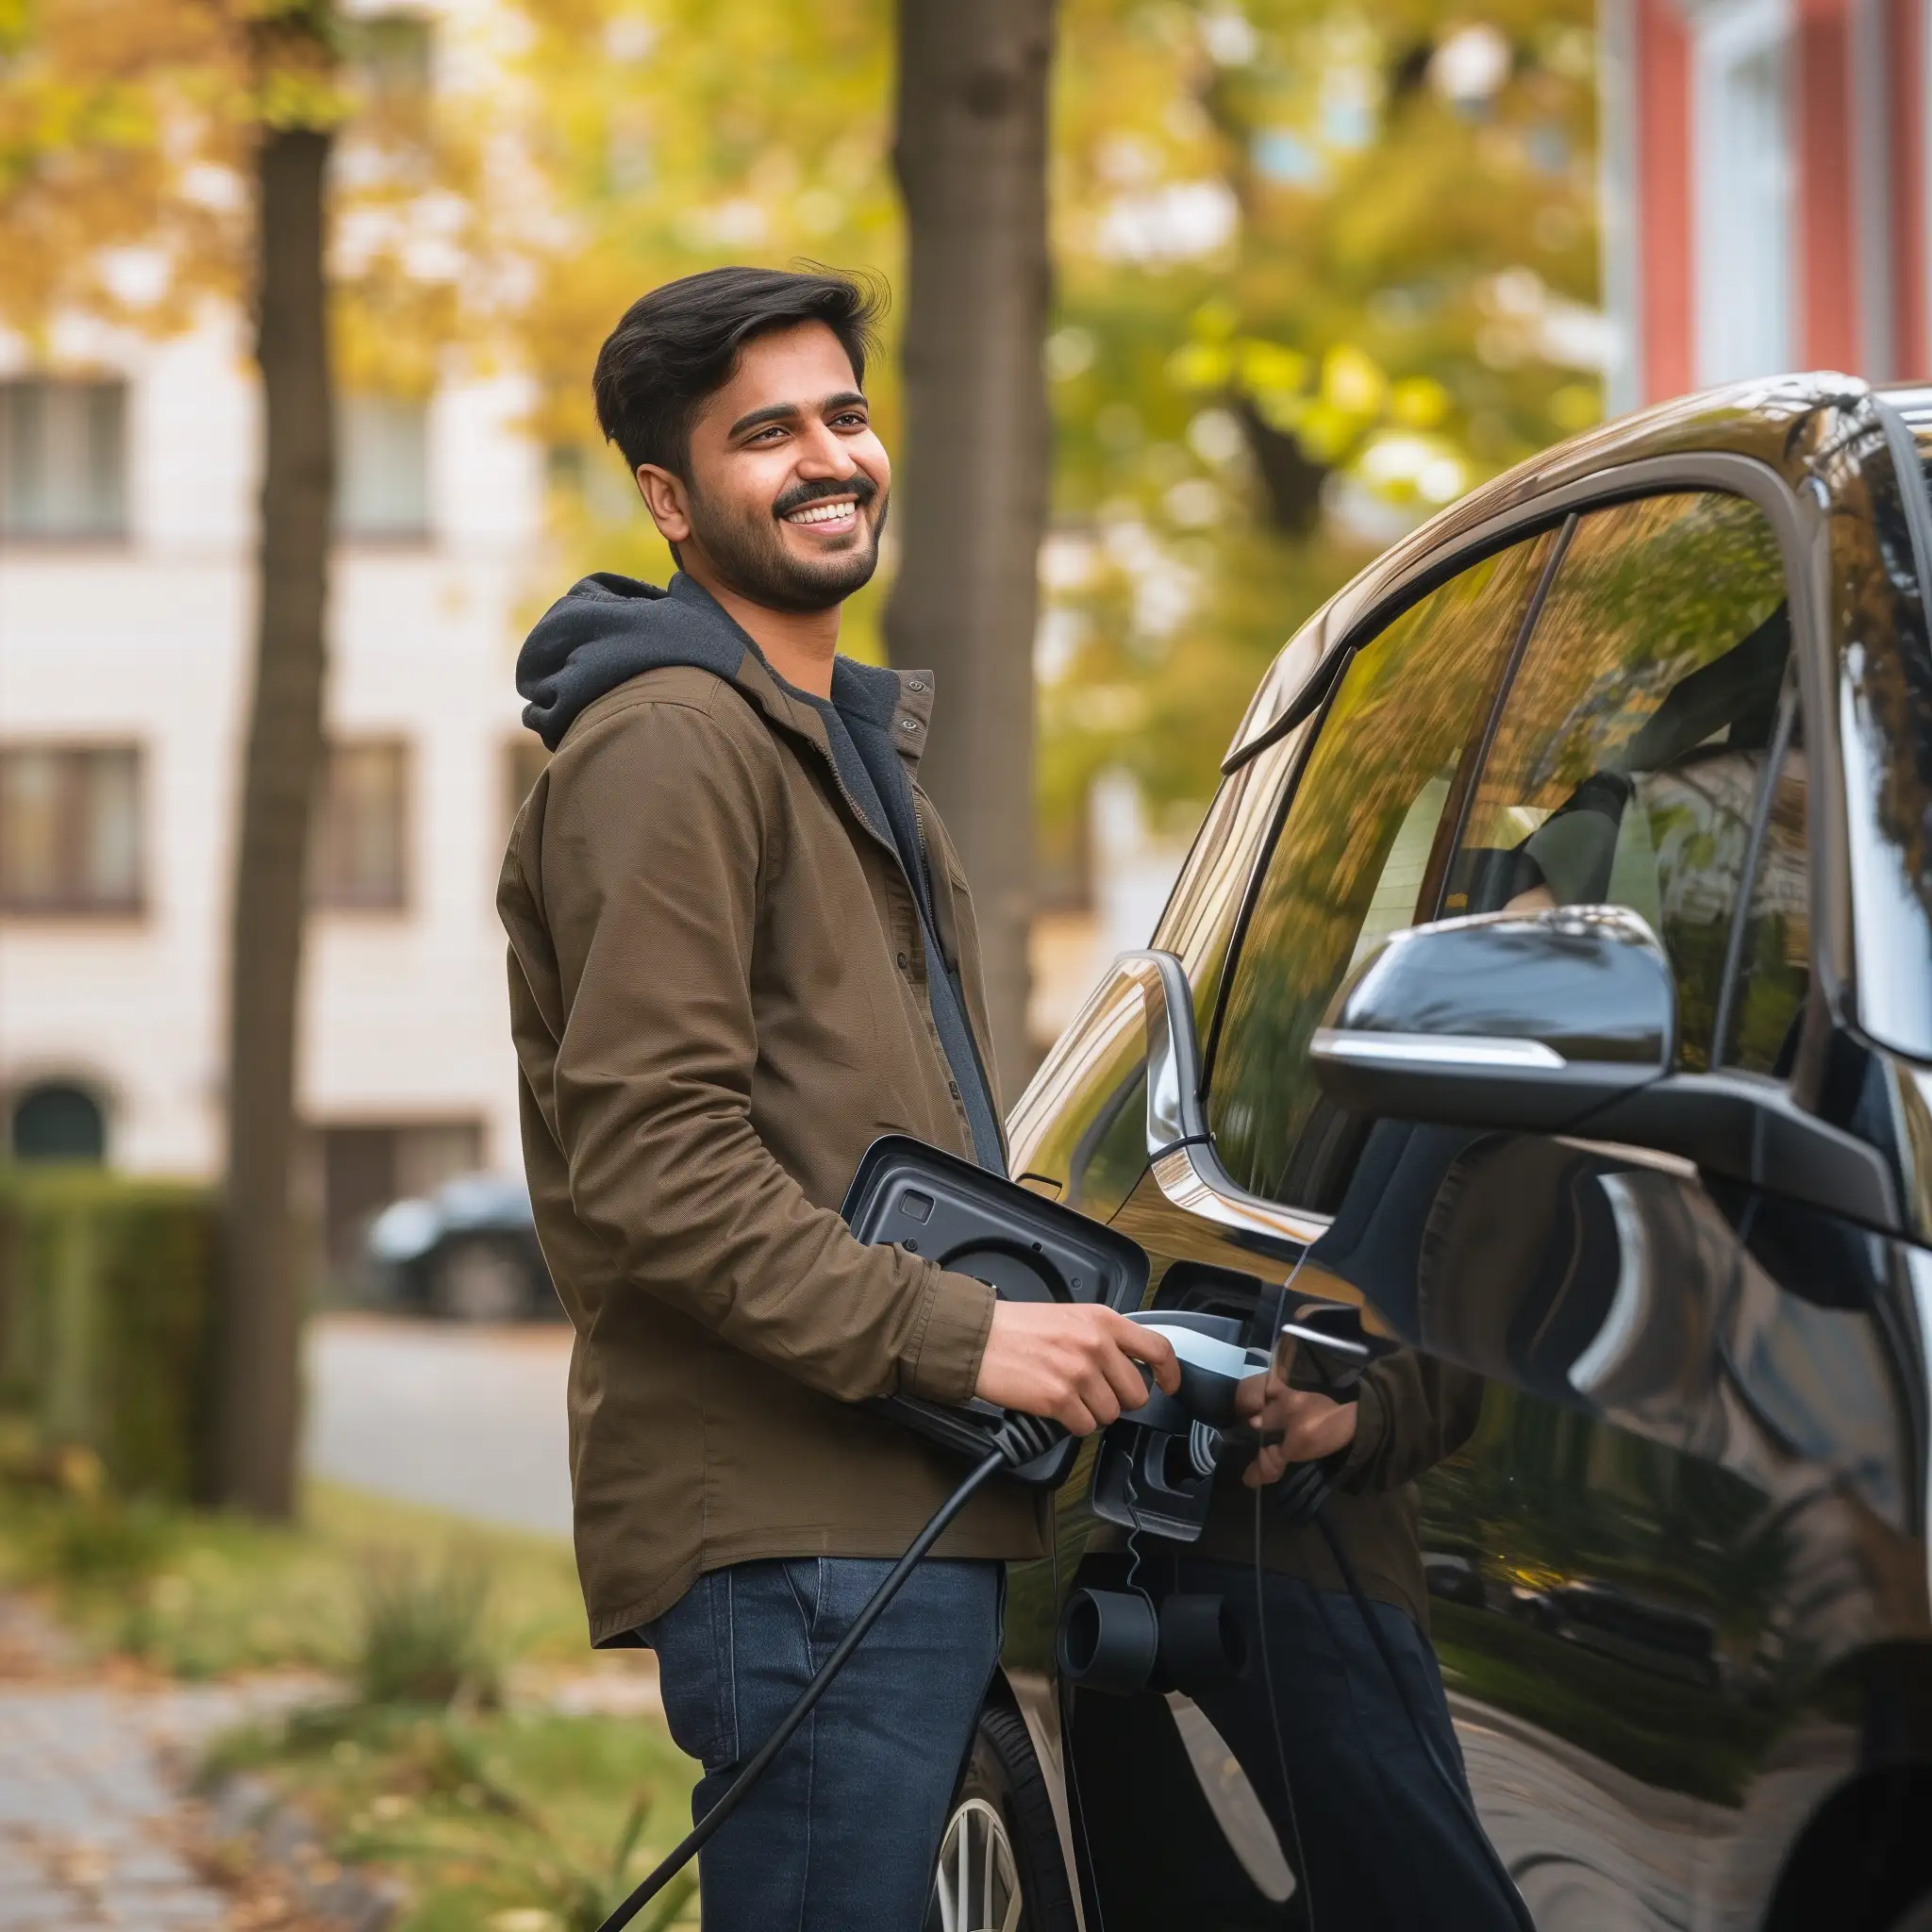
[[1294, 1822], [1019, 1440]]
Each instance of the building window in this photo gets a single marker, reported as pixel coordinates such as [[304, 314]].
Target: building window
[[523, 758], [1745, 141], [382, 467], [70, 828], [56, 1120], [62, 461], [361, 844]]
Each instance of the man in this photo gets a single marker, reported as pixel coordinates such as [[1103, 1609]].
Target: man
[[740, 949]]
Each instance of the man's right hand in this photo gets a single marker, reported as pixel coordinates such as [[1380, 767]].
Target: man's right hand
[[1075, 1362]]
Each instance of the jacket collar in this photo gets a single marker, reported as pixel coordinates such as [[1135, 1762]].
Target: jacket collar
[[898, 702]]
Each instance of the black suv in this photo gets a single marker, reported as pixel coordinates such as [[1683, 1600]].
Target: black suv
[[1545, 1013]]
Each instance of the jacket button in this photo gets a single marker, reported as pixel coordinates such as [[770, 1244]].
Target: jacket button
[[909, 723], [953, 1087], [903, 962], [915, 684]]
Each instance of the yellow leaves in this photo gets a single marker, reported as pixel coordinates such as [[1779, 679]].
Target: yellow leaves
[[1419, 401], [299, 94], [1263, 367], [1352, 382], [1256, 367], [1575, 406], [1201, 366]]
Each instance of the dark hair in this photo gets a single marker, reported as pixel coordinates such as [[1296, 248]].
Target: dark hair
[[680, 344]]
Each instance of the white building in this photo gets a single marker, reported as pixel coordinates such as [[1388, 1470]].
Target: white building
[[127, 506]]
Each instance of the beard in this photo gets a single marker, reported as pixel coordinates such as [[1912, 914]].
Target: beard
[[748, 551]]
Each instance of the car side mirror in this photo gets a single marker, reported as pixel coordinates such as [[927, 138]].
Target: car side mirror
[[1565, 1021], [1526, 1020]]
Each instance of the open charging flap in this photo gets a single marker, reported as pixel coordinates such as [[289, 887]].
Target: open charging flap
[[1022, 1246]]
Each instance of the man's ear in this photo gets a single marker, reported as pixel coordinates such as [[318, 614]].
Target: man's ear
[[668, 499]]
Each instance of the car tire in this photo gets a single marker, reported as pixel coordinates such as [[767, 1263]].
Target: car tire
[[1000, 1865], [478, 1280]]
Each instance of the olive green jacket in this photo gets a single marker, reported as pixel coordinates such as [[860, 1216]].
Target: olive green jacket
[[718, 999]]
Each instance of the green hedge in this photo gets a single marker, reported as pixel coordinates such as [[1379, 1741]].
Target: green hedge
[[107, 1313]]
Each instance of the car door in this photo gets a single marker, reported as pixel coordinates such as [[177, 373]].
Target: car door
[[1684, 1522], [1166, 1813]]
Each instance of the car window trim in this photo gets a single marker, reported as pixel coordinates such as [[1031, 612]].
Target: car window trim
[[1722, 472], [1747, 877]]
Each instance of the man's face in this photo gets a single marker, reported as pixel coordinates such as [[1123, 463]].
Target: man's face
[[788, 484]]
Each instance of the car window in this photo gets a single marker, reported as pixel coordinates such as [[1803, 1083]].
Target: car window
[[1350, 860], [1632, 750]]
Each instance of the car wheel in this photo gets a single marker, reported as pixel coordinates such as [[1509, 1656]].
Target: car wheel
[[478, 1281], [1000, 1867]]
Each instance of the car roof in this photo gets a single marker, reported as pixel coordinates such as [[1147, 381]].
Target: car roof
[[1782, 422]]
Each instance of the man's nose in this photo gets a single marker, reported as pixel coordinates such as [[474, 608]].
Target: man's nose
[[822, 454]]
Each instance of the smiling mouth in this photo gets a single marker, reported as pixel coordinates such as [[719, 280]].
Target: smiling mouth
[[837, 513]]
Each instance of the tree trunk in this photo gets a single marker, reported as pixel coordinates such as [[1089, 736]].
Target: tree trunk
[[259, 1378], [969, 151]]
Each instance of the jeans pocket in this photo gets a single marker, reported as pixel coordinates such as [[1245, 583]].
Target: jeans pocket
[[696, 1674]]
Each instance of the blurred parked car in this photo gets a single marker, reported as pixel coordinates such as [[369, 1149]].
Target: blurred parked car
[[468, 1252], [1648, 1635], [1456, 1576]]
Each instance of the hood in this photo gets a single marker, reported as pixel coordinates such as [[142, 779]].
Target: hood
[[608, 629]]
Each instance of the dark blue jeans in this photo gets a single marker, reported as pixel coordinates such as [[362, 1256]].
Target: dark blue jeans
[[842, 1830]]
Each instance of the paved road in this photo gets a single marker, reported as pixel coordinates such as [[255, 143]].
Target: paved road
[[469, 1419]]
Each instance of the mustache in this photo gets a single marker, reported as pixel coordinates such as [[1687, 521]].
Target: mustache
[[858, 485]]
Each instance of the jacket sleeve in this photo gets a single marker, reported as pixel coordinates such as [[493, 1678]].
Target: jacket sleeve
[[1412, 1412], [653, 836]]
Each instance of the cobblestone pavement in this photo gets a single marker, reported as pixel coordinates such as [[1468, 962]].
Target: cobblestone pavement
[[92, 1821]]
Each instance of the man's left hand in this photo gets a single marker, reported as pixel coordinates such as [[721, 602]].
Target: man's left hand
[[1299, 1426]]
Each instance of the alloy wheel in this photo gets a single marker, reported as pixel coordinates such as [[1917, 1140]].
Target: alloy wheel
[[976, 1887]]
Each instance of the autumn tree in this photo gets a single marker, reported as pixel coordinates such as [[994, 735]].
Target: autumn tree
[[291, 56], [969, 151], [193, 142], [1322, 269]]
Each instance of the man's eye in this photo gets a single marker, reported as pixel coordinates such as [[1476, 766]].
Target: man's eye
[[851, 418]]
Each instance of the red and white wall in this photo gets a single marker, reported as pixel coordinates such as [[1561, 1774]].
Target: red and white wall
[[1767, 190]]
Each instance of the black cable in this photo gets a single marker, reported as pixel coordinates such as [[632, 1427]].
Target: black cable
[[1016, 1447], [1451, 1783], [1294, 1824]]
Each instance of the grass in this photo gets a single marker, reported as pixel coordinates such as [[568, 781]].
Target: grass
[[499, 1815], [195, 1595], [513, 1820]]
